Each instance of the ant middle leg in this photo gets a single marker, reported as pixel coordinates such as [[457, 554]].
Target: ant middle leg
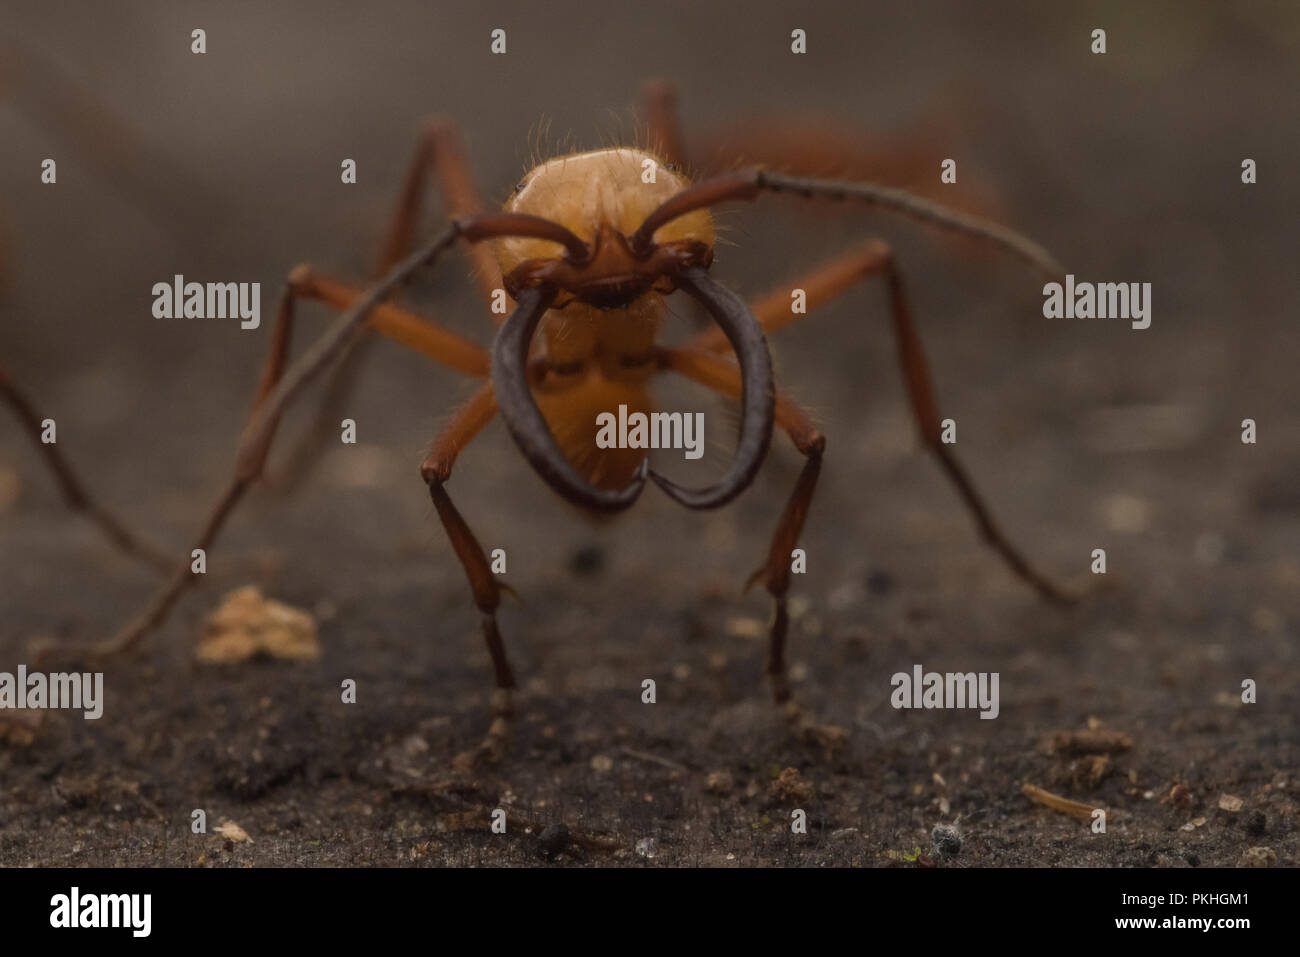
[[280, 383], [436, 470], [439, 160], [828, 282]]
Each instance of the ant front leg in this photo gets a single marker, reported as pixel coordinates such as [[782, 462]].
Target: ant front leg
[[775, 576], [423, 335], [724, 377], [435, 471]]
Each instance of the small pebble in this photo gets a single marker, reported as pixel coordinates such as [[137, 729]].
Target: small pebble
[[1258, 857], [720, 782], [646, 847], [790, 787], [947, 840]]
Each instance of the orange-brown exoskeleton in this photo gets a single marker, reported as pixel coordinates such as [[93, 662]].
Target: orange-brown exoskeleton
[[589, 248]]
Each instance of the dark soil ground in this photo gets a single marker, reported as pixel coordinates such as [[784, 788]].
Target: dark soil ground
[[1083, 435]]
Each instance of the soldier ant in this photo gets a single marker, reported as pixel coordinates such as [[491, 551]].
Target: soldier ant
[[589, 248]]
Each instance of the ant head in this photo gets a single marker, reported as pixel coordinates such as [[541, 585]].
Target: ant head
[[606, 228], [602, 198]]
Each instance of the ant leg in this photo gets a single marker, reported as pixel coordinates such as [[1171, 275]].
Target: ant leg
[[916, 371], [774, 573], [722, 376], [416, 332], [74, 492], [812, 146], [280, 384], [435, 471], [441, 151], [809, 146], [659, 108], [134, 165], [247, 470], [828, 283], [822, 285], [463, 355]]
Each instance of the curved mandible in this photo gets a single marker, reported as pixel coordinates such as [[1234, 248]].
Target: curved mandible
[[524, 419], [757, 391]]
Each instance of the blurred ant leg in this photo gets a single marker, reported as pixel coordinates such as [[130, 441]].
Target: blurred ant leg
[[281, 384], [138, 167], [722, 376], [822, 286], [812, 147], [659, 109], [436, 470], [878, 259], [441, 152], [156, 611], [906, 158], [911, 358], [803, 147], [74, 492], [418, 333]]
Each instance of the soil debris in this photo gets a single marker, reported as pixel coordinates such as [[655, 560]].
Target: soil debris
[[247, 624]]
